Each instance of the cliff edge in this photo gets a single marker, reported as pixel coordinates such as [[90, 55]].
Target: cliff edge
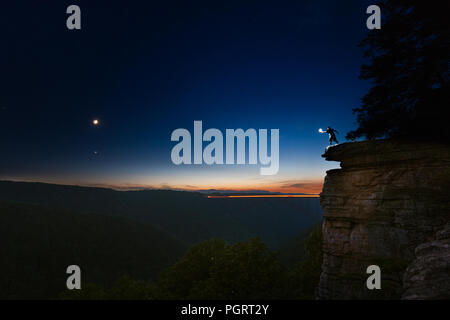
[[388, 205]]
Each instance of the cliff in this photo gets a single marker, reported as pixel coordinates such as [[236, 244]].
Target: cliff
[[387, 205]]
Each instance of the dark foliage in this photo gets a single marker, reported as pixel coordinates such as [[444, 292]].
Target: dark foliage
[[409, 69], [246, 270], [37, 244], [214, 270], [304, 276]]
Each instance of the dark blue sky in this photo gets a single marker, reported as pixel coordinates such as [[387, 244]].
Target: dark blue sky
[[145, 68]]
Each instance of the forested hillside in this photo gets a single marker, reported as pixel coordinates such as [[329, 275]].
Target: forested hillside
[[37, 244], [188, 216]]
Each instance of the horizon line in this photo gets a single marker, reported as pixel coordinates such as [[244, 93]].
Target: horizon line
[[224, 192], [268, 196]]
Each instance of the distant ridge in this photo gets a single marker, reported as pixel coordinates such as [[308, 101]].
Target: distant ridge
[[189, 217], [249, 192]]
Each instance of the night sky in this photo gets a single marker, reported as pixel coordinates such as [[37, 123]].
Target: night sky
[[146, 68]]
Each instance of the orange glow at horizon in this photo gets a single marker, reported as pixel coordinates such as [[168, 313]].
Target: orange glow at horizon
[[307, 188], [269, 196], [312, 186]]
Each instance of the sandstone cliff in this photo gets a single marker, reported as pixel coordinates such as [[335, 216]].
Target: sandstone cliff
[[387, 205]]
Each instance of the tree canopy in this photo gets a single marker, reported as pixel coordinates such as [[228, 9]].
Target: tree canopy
[[408, 65]]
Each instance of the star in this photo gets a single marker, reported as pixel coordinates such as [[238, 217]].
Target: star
[[95, 122]]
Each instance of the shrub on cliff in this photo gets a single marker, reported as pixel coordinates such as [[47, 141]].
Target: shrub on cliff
[[409, 70]]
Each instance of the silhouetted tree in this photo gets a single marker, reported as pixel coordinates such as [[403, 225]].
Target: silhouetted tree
[[409, 69]]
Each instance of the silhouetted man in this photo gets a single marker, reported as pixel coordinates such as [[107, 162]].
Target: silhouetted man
[[331, 132]]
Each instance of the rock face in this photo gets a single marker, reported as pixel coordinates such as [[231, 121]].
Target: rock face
[[428, 276], [384, 207]]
